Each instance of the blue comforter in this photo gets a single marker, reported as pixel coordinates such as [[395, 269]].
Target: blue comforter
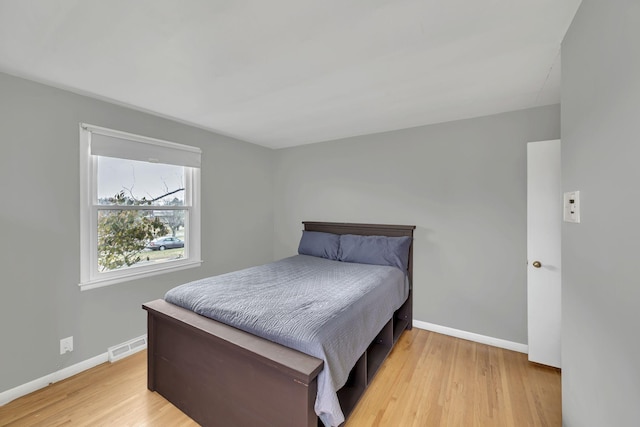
[[328, 309]]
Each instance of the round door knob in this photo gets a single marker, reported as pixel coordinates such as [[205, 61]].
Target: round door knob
[[537, 264]]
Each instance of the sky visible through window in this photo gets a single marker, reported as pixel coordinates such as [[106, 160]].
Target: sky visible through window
[[140, 179]]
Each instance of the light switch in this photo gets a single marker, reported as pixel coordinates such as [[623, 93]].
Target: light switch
[[571, 206]]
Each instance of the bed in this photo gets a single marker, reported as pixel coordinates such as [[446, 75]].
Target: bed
[[221, 375]]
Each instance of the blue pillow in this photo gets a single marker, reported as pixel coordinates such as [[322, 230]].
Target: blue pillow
[[377, 250], [316, 243]]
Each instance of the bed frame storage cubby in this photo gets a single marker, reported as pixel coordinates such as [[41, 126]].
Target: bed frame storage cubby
[[220, 375], [369, 364], [350, 393], [379, 349]]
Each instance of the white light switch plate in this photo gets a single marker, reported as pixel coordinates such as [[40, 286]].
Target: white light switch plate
[[571, 206]]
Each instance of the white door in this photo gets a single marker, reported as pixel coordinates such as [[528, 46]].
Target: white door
[[544, 221]]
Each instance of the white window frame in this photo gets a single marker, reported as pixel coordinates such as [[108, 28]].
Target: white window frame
[[90, 276]]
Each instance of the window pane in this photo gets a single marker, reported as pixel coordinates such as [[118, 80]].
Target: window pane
[[139, 182], [128, 238]]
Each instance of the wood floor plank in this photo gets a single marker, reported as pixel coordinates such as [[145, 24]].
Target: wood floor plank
[[429, 380]]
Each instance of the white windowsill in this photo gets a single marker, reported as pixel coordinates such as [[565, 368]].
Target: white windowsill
[[133, 275]]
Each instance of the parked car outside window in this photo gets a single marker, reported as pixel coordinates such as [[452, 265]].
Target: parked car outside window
[[163, 243]]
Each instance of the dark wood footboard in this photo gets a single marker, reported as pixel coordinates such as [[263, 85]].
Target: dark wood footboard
[[221, 376]]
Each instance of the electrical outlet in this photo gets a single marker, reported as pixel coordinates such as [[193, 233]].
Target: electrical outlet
[[66, 345]]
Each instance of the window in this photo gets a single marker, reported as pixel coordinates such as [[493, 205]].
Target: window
[[140, 207]]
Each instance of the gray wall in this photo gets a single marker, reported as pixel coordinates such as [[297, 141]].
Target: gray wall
[[40, 301], [600, 256], [463, 184]]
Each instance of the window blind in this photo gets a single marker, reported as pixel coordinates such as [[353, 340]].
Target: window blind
[[133, 147]]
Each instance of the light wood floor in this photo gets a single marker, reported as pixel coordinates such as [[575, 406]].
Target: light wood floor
[[428, 380]]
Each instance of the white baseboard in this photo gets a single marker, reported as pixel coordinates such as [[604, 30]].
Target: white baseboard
[[470, 336], [37, 384]]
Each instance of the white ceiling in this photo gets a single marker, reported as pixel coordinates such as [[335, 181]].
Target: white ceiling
[[281, 73]]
